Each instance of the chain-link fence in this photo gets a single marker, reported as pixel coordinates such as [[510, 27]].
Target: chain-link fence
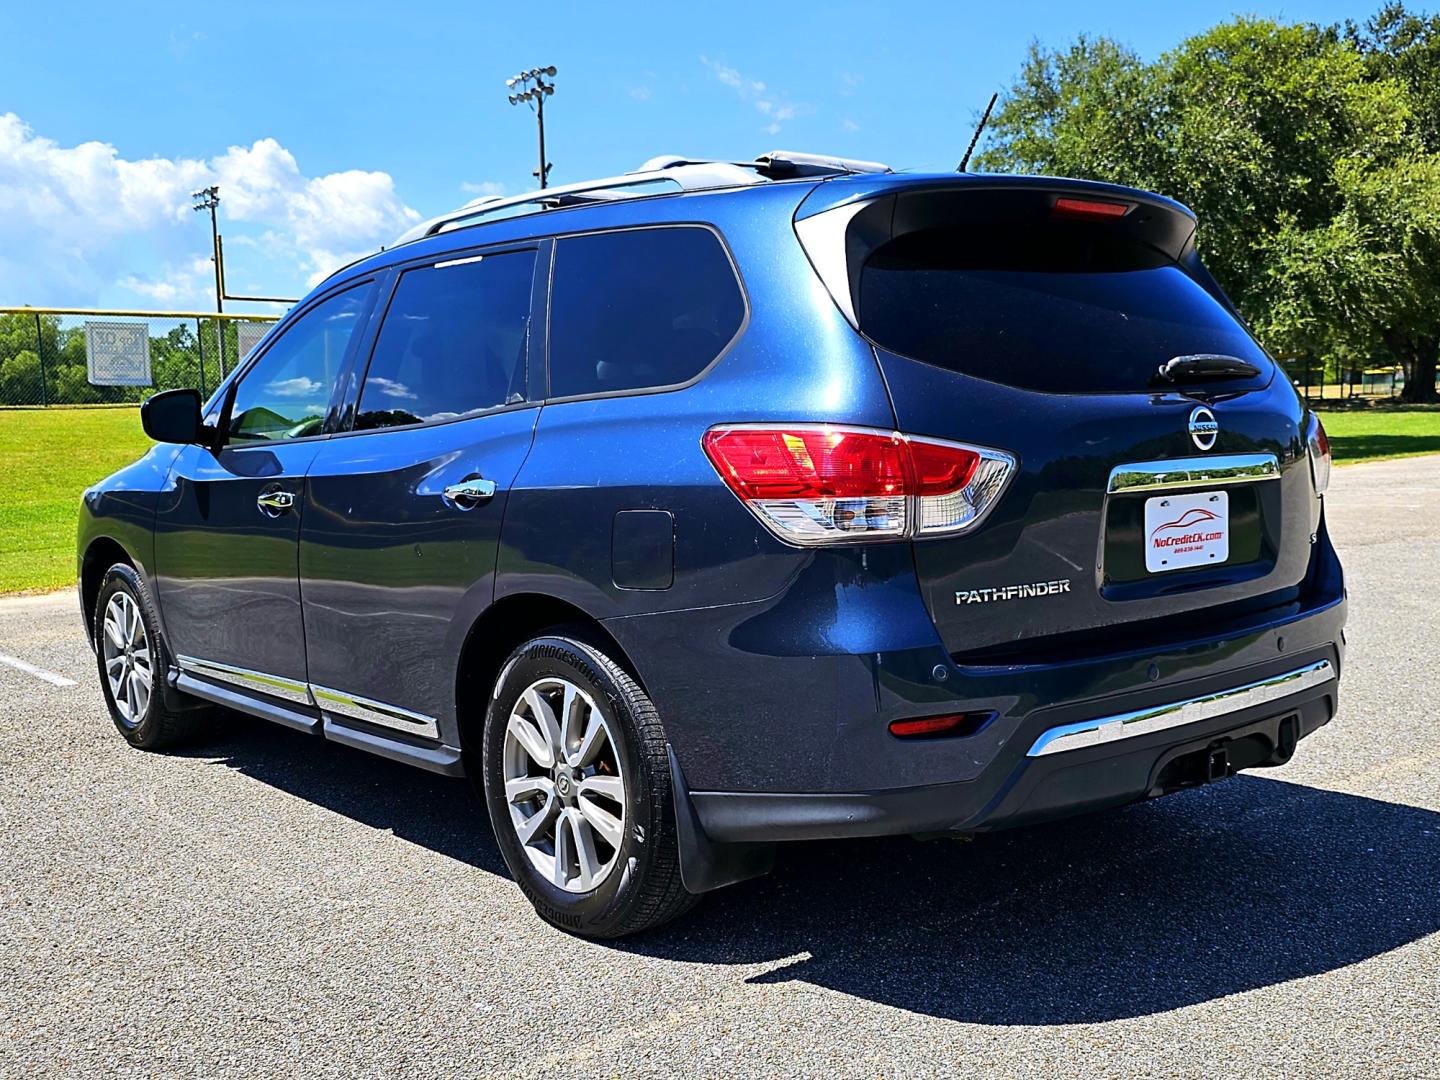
[[50, 356]]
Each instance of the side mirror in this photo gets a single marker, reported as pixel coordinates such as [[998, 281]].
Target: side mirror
[[172, 416]]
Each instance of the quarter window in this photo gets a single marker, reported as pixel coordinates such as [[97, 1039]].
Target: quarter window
[[640, 308], [453, 342], [287, 393]]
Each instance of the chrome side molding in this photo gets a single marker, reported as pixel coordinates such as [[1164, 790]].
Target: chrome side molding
[[1108, 729], [339, 703], [1193, 472], [275, 685], [324, 698]]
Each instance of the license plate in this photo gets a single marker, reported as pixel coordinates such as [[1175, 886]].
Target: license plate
[[1184, 531]]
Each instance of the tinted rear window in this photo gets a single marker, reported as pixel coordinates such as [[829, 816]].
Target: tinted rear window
[[1061, 307], [639, 309]]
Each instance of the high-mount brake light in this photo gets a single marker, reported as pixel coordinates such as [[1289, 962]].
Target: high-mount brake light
[[1318, 444], [1089, 208], [827, 484]]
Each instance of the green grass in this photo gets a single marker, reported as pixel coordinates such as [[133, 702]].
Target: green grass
[[1383, 432], [47, 458]]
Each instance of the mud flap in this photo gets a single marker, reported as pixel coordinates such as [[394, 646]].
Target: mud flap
[[704, 864]]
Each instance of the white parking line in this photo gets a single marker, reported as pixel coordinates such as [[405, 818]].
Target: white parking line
[[39, 673]]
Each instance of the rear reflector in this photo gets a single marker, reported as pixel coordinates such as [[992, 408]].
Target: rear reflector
[[1090, 208], [958, 724], [822, 484]]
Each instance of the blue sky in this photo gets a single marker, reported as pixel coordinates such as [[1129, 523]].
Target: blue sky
[[329, 126]]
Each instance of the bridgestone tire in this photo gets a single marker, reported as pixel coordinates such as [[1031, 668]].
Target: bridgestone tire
[[157, 726], [643, 887]]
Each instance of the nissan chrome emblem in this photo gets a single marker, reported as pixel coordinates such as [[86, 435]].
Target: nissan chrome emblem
[[1204, 428]]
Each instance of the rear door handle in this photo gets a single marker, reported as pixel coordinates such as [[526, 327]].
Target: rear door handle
[[470, 493], [273, 502]]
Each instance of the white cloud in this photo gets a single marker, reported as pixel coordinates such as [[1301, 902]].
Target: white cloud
[[174, 285], [849, 125], [390, 387], [300, 386], [77, 222], [732, 78], [757, 94], [640, 93], [484, 187], [329, 220]]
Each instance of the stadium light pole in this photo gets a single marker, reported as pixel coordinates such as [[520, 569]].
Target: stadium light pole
[[208, 199], [531, 87]]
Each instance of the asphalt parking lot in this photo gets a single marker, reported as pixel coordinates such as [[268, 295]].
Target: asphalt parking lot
[[272, 904]]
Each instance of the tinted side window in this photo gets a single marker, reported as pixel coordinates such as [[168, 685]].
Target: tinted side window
[[286, 394], [453, 342], [642, 308]]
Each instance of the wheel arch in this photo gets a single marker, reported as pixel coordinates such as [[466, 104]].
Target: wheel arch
[[500, 630], [102, 553]]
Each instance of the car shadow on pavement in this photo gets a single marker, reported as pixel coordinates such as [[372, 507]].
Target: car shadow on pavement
[[1213, 892], [1205, 894], [433, 811]]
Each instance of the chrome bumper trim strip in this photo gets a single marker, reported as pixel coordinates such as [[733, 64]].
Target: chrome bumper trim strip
[[1128, 725], [339, 703], [275, 685], [1193, 472]]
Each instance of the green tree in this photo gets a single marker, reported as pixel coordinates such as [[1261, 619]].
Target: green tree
[[1401, 45], [17, 334], [1398, 202], [20, 378], [1301, 149]]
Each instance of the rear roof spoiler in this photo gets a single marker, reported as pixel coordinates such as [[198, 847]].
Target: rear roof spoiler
[[843, 190], [841, 222]]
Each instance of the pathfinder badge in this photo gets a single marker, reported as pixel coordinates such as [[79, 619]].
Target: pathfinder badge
[[1012, 592]]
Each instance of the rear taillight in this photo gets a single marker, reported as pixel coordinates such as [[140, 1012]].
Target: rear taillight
[[1318, 444], [824, 484]]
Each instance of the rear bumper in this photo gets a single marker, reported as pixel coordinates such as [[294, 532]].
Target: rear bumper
[[777, 711], [1131, 751]]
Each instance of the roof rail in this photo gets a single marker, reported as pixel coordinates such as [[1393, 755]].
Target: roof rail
[[660, 174], [784, 164], [778, 165], [693, 176]]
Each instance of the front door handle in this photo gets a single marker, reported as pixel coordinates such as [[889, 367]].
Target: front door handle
[[273, 502], [470, 493]]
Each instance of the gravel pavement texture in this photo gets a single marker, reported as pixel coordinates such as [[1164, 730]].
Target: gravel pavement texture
[[270, 904]]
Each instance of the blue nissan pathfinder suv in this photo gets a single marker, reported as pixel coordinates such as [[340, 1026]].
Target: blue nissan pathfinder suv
[[723, 504]]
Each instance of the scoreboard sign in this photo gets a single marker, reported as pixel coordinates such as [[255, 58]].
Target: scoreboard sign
[[118, 353]]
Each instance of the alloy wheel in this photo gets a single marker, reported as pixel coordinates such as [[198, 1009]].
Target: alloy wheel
[[125, 649], [563, 785]]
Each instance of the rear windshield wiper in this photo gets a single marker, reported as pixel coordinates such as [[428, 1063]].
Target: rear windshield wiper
[[1202, 367]]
